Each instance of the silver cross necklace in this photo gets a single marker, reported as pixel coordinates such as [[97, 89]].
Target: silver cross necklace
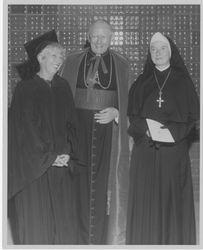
[[160, 100]]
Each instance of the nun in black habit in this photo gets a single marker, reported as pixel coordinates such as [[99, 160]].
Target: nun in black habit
[[161, 206], [41, 146]]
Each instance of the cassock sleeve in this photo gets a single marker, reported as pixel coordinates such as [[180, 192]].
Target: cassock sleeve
[[29, 155]]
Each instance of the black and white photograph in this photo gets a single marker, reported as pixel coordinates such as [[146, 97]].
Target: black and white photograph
[[101, 124]]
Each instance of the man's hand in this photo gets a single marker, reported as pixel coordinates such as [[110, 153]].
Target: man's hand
[[61, 160], [106, 115]]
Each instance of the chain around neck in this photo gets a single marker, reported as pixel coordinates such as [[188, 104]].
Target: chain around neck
[[97, 74], [164, 83]]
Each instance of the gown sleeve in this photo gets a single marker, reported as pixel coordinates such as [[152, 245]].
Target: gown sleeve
[[72, 126], [66, 122], [29, 154]]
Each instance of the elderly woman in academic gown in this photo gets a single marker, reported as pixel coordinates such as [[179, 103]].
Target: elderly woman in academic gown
[[161, 206], [41, 143]]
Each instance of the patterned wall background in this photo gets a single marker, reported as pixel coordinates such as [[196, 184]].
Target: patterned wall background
[[133, 25]]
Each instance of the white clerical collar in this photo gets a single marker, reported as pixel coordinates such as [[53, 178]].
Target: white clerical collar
[[162, 68]]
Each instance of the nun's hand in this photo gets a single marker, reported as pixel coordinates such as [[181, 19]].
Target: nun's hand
[[148, 133], [106, 115]]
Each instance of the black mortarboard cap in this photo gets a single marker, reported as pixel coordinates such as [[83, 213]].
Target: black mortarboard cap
[[37, 44]]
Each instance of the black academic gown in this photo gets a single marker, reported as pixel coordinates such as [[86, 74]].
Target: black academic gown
[[161, 206], [41, 126]]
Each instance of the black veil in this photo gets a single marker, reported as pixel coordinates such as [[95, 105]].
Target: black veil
[[184, 94], [176, 61]]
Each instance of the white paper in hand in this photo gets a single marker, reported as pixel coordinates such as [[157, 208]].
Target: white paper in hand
[[158, 133]]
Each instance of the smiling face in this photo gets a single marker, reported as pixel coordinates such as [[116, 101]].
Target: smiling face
[[100, 37], [50, 59], [160, 54]]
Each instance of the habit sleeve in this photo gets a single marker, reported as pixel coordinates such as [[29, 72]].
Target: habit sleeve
[[138, 126], [181, 130]]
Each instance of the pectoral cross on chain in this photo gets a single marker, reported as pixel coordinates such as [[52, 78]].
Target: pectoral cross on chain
[[91, 83], [160, 100], [160, 88]]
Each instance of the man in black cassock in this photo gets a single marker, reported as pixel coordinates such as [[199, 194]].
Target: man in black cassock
[[99, 78], [41, 142]]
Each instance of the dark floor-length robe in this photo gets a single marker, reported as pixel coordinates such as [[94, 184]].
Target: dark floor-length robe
[[161, 206], [103, 151], [42, 125]]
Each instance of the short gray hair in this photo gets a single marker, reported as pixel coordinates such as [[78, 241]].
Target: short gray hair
[[102, 21], [53, 45]]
